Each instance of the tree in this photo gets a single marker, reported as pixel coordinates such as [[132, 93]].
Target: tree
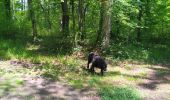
[[22, 4], [89, 21], [32, 18], [8, 9], [73, 13], [139, 18], [65, 17], [99, 33], [106, 22], [81, 16], [46, 11]]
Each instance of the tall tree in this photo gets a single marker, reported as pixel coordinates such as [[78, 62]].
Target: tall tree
[[8, 9], [22, 4], [65, 16], [46, 11], [139, 20], [106, 22], [32, 18], [99, 33], [81, 16], [73, 13]]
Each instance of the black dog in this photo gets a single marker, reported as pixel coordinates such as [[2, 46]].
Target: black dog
[[97, 62]]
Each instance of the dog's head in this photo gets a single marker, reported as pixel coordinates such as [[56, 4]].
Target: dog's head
[[91, 55]]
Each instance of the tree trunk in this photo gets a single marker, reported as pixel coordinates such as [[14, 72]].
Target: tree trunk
[[65, 17], [81, 19], [117, 27], [32, 18], [147, 19], [13, 9], [8, 9], [73, 16], [22, 5], [99, 33], [106, 24], [139, 18], [46, 13], [48, 18]]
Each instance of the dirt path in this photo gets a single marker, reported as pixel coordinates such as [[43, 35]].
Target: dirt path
[[157, 84], [152, 81], [37, 88]]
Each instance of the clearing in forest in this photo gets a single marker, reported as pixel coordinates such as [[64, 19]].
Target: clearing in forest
[[127, 80]]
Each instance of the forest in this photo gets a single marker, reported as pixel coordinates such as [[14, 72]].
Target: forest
[[46, 45]]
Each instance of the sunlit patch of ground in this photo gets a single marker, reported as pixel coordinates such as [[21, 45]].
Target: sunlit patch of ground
[[71, 79], [19, 83], [152, 81]]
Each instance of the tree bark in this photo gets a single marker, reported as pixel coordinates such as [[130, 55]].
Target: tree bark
[[65, 17], [81, 16], [8, 9], [106, 24], [73, 15], [99, 33], [32, 18]]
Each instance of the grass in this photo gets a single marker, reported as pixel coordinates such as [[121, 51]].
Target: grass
[[119, 93], [9, 81], [147, 52], [26, 51], [50, 71], [50, 47], [58, 64]]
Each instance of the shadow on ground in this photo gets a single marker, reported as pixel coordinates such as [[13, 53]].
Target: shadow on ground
[[157, 77], [40, 89]]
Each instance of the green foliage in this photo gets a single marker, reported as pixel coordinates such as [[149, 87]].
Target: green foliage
[[22, 48], [119, 93], [154, 23], [13, 49], [148, 52]]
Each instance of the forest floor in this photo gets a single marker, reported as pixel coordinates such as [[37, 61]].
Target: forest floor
[[20, 83], [49, 71]]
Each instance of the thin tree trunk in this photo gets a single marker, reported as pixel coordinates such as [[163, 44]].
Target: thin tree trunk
[[99, 33], [48, 19], [117, 27], [73, 16], [84, 18], [8, 9], [65, 17], [13, 9], [32, 18], [139, 18], [74, 22], [46, 13], [81, 19], [147, 16], [22, 5]]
